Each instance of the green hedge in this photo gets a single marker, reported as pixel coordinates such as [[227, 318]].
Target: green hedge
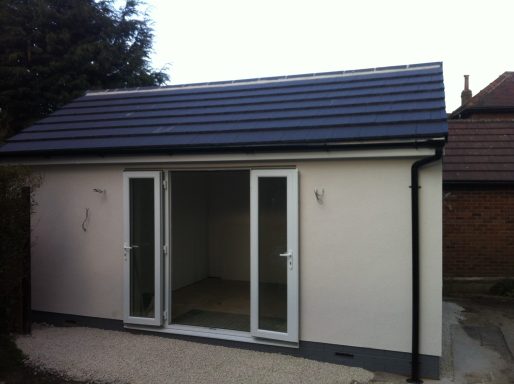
[[17, 185]]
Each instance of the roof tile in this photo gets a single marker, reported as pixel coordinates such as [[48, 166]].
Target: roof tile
[[360, 105], [498, 95], [479, 151]]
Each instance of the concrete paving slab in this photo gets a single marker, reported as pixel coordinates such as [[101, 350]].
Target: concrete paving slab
[[477, 345], [491, 337], [475, 362]]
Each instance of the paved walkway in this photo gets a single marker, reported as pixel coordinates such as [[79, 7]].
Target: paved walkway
[[478, 342], [483, 342]]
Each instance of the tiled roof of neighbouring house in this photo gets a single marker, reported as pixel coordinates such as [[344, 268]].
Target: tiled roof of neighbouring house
[[498, 96], [391, 103], [479, 151]]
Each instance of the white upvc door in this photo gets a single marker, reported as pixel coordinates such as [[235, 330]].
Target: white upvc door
[[274, 254], [142, 247]]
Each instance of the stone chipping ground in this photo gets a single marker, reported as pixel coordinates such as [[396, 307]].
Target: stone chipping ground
[[96, 355]]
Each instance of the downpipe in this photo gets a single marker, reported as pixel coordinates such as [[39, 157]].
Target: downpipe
[[415, 368]]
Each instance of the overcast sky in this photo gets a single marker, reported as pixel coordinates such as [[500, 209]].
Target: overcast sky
[[227, 40]]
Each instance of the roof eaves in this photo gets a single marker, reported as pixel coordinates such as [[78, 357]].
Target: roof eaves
[[427, 141]]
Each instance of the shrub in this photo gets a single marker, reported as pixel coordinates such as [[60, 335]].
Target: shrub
[[503, 288], [17, 185]]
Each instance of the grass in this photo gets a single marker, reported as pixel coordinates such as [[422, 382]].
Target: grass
[[13, 370]]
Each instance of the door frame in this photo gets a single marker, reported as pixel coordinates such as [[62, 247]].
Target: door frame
[[163, 185], [158, 247], [293, 289]]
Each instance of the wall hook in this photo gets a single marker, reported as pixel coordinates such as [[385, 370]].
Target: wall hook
[[86, 221], [99, 190], [319, 194]]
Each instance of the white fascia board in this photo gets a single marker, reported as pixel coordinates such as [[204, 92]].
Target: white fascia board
[[225, 157]]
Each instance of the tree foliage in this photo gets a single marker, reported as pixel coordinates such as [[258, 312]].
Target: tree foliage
[[17, 202], [52, 51]]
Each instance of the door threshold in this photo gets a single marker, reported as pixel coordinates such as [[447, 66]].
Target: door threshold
[[213, 333]]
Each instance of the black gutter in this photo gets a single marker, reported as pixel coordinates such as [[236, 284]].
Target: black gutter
[[415, 261], [420, 142]]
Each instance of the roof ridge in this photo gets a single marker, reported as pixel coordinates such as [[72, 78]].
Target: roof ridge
[[475, 101], [261, 80], [491, 87]]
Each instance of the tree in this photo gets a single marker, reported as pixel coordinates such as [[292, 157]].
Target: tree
[[52, 51], [17, 202]]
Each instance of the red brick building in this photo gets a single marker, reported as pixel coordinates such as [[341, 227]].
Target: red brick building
[[478, 229]]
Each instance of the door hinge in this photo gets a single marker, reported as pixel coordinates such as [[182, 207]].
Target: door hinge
[[165, 250], [165, 315], [165, 184]]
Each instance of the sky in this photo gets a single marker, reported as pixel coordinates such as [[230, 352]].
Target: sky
[[217, 40]]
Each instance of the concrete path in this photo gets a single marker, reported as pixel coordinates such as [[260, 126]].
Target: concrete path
[[483, 341], [478, 342]]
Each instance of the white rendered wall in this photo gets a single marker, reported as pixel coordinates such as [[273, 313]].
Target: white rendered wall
[[355, 249], [190, 228], [211, 226], [229, 225], [73, 271], [355, 254]]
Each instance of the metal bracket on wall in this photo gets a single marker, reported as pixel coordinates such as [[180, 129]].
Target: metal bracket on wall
[[319, 194], [86, 221]]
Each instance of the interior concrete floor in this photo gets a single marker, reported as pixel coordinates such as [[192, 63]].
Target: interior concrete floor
[[212, 294], [219, 296]]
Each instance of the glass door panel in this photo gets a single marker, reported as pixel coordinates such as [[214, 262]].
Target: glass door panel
[[142, 248], [274, 254], [272, 242]]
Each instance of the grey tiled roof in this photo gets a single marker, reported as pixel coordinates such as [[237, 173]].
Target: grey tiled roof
[[404, 102]]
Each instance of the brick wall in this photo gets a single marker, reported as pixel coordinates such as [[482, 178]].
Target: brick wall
[[478, 232]]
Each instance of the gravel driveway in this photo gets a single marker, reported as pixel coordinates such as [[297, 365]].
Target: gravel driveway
[[120, 357]]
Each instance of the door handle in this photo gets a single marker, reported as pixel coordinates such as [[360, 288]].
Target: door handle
[[289, 255], [127, 248]]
